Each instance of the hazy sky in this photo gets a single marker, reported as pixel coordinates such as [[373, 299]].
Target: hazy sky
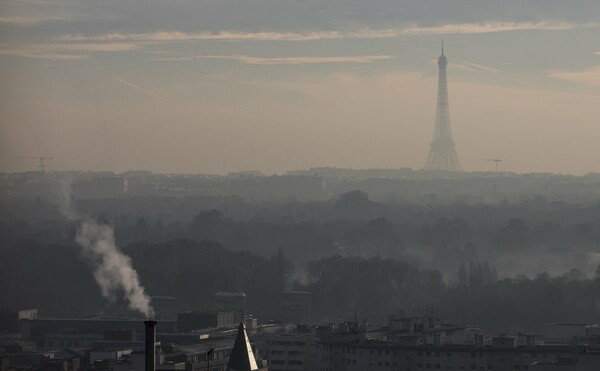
[[273, 85]]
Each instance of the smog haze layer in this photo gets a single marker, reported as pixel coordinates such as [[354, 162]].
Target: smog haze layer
[[219, 86]]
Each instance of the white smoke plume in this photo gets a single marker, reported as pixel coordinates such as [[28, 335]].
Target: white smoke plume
[[112, 269]]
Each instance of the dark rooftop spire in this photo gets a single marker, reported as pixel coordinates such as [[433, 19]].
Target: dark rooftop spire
[[242, 358]]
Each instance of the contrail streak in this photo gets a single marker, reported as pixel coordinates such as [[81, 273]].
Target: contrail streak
[[133, 86]]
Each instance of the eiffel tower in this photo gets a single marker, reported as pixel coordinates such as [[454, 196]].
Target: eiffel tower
[[442, 154]]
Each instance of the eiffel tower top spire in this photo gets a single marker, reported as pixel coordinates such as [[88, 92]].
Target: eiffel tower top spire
[[442, 48]]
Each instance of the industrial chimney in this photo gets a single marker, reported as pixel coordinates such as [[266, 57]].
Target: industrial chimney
[[150, 345]]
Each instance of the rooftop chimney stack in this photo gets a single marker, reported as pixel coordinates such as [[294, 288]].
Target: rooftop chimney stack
[[150, 345]]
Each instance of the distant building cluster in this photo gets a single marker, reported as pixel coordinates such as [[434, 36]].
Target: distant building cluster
[[311, 184], [425, 343], [217, 341], [107, 185]]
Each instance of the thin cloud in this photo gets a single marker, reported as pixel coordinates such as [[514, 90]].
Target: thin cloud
[[300, 60], [589, 76], [87, 47], [63, 51], [488, 27], [40, 54], [174, 59], [66, 47], [159, 37], [27, 21], [461, 28]]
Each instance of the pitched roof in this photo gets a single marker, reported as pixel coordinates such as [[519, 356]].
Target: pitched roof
[[242, 358]]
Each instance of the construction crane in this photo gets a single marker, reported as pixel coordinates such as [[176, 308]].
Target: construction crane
[[496, 160], [43, 164]]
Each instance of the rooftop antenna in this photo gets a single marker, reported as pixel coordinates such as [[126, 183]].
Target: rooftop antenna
[[496, 160]]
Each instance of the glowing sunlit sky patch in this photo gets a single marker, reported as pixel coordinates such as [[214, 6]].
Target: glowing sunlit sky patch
[[217, 86]]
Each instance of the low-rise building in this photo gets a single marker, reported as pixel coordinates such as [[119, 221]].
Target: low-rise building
[[230, 302], [410, 346], [10, 319], [287, 352]]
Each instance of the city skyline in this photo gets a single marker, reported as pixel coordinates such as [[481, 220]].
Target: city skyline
[[209, 87], [308, 185]]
